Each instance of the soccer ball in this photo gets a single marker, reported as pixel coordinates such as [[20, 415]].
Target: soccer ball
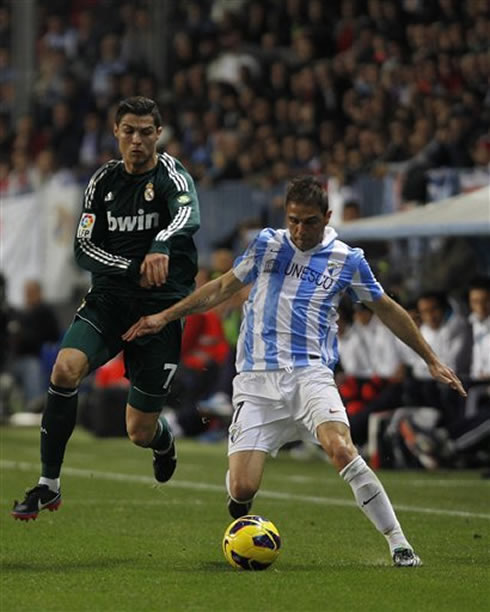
[[251, 543]]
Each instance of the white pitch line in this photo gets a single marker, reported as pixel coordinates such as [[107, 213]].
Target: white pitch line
[[203, 486], [418, 482]]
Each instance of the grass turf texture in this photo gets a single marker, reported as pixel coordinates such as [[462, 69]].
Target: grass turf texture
[[120, 542]]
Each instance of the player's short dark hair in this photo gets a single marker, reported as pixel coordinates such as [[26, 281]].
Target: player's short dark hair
[[439, 297], [307, 190], [138, 105], [480, 282]]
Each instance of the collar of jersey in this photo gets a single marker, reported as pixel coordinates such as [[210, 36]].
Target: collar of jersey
[[329, 236], [136, 176]]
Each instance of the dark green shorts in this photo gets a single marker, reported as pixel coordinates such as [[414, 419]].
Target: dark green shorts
[[150, 361]]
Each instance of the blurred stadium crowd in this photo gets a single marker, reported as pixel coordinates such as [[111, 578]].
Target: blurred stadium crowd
[[258, 91]]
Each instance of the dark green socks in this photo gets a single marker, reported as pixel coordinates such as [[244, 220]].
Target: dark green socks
[[57, 425], [163, 436]]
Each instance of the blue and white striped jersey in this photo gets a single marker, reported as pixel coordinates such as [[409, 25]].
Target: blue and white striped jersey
[[289, 319]]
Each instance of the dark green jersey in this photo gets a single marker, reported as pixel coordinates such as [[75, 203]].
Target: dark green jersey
[[125, 216]]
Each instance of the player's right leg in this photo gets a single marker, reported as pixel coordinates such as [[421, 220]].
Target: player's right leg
[[243, 480], [82, 349], [260, 426]]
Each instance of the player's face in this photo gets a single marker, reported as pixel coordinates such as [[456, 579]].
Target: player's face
[[480, 303], [306, 224], [430, 312], [137, 138]]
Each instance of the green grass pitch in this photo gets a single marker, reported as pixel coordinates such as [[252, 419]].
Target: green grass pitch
[[119, 542]]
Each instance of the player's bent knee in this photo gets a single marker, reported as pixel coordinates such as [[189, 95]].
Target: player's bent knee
[[242, 488], [69, 369], [141, 436]]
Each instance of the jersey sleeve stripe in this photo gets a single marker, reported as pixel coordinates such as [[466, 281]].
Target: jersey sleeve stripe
[[102, 256], [178, 178], [178, 223], [97, 250], [90, 189]]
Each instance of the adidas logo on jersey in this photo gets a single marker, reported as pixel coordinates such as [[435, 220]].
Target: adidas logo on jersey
[[109, 197], [131, 223]]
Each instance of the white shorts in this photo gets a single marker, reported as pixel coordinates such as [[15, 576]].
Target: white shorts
[[274, 407]]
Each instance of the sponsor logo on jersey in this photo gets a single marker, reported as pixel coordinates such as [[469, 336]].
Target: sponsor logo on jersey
[[109, 197], [299, 272], [184, 199], [309, 275], [133, 223], [86, 225], [272, 266], [149, 192]]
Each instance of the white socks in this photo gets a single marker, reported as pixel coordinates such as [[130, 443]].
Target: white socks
[[374, 502], [53, 483]]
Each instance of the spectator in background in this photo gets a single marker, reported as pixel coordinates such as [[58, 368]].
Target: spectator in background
[[450, 336], [351, 66], [137, 43], [110, 64], [463, 441], [65, 135], [21, 176], [351, 211], [7, 316], [35, 325], [87, 42], [479, 302], [369, 359], [90, 143]]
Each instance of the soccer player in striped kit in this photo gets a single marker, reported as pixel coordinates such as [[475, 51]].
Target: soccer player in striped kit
[[135, 237], [287, 351]]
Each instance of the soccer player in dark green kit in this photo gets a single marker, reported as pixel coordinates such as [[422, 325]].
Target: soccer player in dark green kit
[[135, 237]]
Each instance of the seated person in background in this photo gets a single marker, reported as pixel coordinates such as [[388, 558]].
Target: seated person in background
[[393, 394], [479, 302], [35, 325], [449, 334], [369, 359], [465, 440], [219, 403], [351, 211]]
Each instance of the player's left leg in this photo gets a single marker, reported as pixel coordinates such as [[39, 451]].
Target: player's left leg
[[151, 363], [370, 494], [150, 430]]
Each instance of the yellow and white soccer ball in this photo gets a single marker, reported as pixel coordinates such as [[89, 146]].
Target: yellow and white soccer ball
[[251, 543]]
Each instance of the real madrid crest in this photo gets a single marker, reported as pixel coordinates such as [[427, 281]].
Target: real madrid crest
[[149, 192]]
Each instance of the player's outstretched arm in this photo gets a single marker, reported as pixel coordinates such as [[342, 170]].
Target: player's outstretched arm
[[206, 297], [400, 323]]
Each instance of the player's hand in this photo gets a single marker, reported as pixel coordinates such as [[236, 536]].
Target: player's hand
[[154, 270], [443, 374], [150, 324]]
